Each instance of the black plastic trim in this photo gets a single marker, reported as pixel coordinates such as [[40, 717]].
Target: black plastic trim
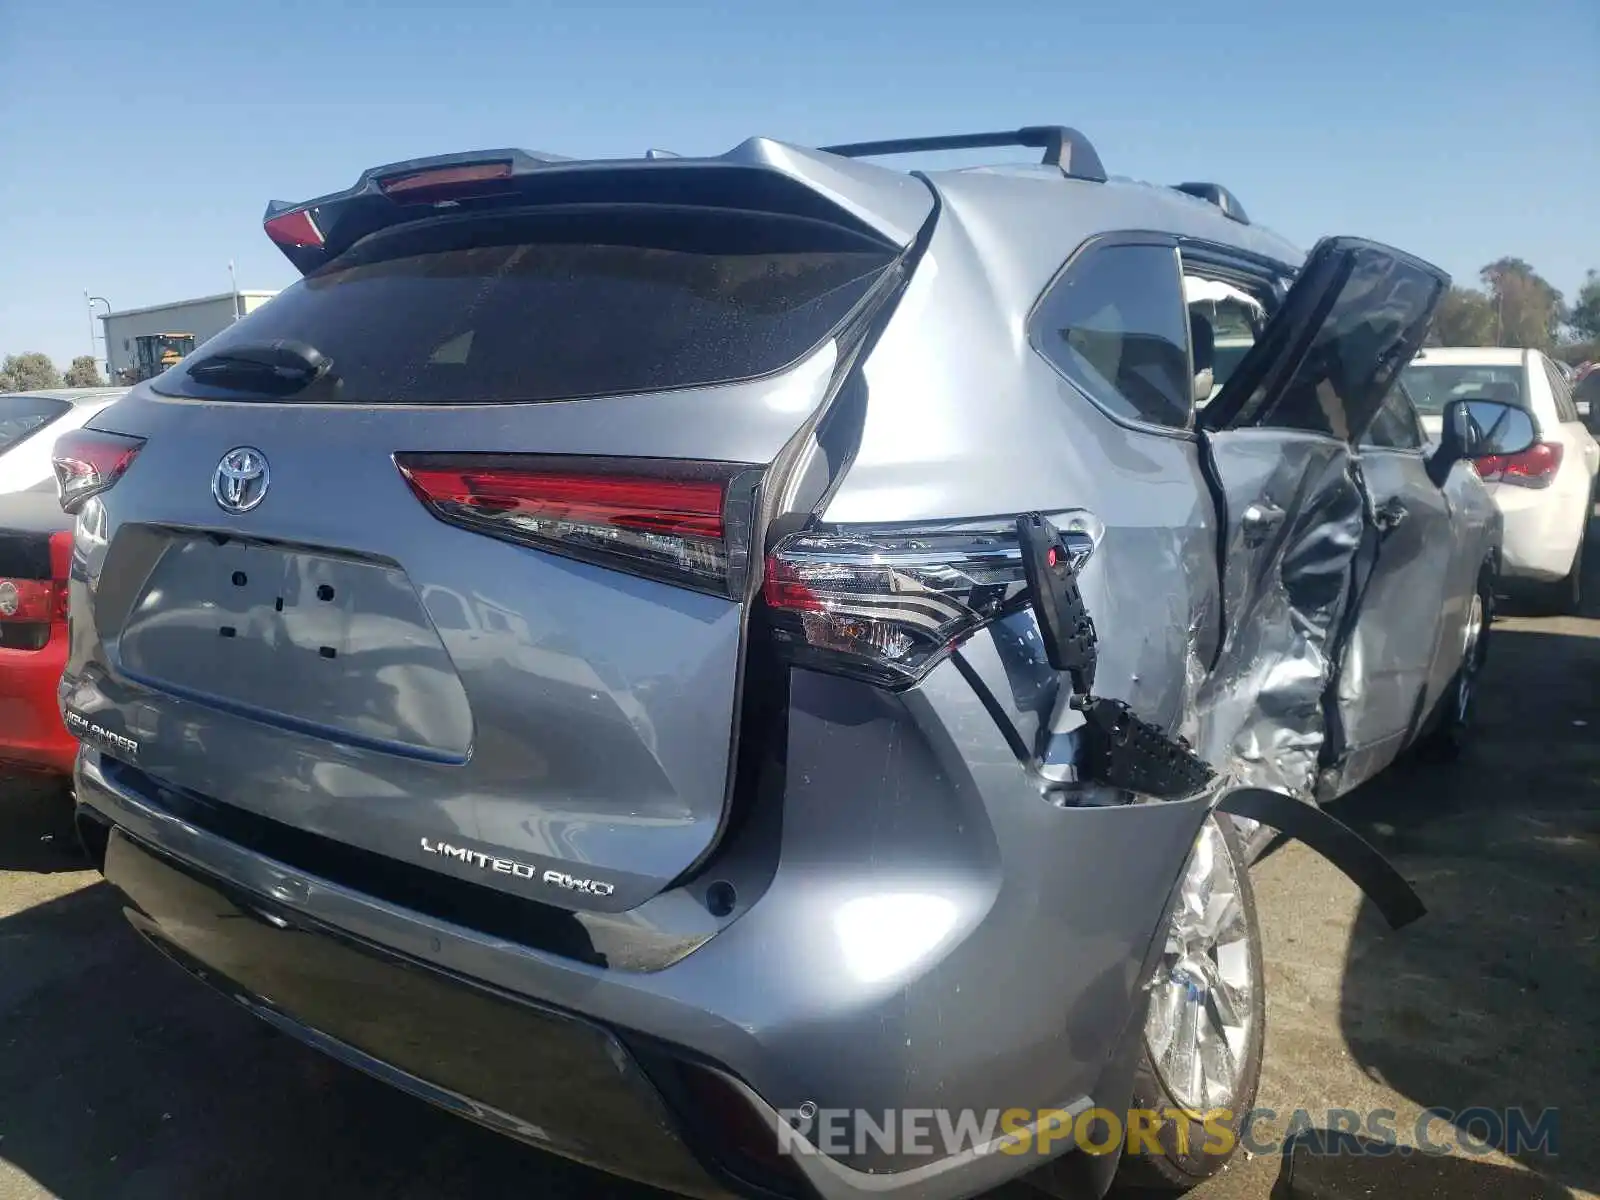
[[1215, 193], [1335, 841], [149, 863]]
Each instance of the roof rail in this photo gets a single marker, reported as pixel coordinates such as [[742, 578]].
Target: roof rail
[[1063, 147], [1216, 194]]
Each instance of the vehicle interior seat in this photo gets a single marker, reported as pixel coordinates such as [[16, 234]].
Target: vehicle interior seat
[[1505, 391], [1203, 343]]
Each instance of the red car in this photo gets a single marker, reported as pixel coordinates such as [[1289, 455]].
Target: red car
[[35, 551]]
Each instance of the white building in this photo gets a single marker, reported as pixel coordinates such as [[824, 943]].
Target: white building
[[204, 318]]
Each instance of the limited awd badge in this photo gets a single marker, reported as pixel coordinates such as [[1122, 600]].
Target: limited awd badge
[[509, 866]]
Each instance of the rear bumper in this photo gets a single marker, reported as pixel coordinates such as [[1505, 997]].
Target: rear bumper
[[544, 1077], [1542, 531], [31, 732], [935, 939]]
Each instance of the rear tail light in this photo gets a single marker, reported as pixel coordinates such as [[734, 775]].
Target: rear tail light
[[683, 522], [297, 228], [39, 601], [886, 606], [87, 462], [1535, 467]]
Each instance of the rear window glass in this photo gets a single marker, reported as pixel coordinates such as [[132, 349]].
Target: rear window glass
[[561, 306], [1433, 386], [22, 415]]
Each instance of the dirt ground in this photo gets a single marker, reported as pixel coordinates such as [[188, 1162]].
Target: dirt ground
[[120, 1079]]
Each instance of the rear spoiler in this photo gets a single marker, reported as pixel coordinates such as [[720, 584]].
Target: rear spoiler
[[758, 175]]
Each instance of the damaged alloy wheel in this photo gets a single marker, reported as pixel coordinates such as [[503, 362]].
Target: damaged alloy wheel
[[1206, 1019], [1449, 737]]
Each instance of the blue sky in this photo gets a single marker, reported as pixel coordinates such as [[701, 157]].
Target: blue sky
[[139, 143]]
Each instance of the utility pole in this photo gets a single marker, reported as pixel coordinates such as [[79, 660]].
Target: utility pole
[[89, 302], [234, 280]]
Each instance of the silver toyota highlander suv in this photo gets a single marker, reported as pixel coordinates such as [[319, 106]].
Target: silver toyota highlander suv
[[751, 671]]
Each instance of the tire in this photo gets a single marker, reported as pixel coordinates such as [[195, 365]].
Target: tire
[[1564, 598], [1192, 1150], [1459, 705]]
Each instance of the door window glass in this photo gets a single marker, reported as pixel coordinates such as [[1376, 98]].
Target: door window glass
[[1395, 427], [1326, 360]]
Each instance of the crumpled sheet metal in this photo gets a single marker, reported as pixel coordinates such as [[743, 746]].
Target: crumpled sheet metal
[[1253, 706], [1259, 710]]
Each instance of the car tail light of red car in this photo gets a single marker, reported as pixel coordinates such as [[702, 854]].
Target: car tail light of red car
[[39, 603]]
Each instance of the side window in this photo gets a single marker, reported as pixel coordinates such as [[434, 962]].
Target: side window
[[23, 415], [1224, 321], [1395, 427], [1566, 410], [1115, 325]]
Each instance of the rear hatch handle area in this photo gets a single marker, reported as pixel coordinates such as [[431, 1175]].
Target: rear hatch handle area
[[1127, 752]]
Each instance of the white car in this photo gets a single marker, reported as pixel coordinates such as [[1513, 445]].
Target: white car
[[1546, 493], [30, 423]]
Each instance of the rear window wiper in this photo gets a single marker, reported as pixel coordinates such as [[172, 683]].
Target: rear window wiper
[[278, 368]]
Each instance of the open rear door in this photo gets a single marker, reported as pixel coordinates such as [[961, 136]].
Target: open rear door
[[1294, 514]]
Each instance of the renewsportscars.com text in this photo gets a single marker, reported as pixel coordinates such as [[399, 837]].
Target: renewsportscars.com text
[[939, 1132]]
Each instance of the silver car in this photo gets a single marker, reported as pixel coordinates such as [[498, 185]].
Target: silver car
[[756, 672]]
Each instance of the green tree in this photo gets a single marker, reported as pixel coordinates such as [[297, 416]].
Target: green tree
[[1585, 315], [1465, 318], [1527, 309], [83, 372], [28, 372]]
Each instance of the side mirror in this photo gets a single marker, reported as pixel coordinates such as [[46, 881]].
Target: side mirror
[[1474, 429]]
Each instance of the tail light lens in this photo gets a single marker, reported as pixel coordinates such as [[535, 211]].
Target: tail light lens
[[87, 462], [297, 228], [886, 606], [1535, 467], [39, 601], [682, 522], [452, 183]]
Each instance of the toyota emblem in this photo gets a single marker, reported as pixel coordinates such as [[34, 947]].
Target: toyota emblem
[[241, 480]]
